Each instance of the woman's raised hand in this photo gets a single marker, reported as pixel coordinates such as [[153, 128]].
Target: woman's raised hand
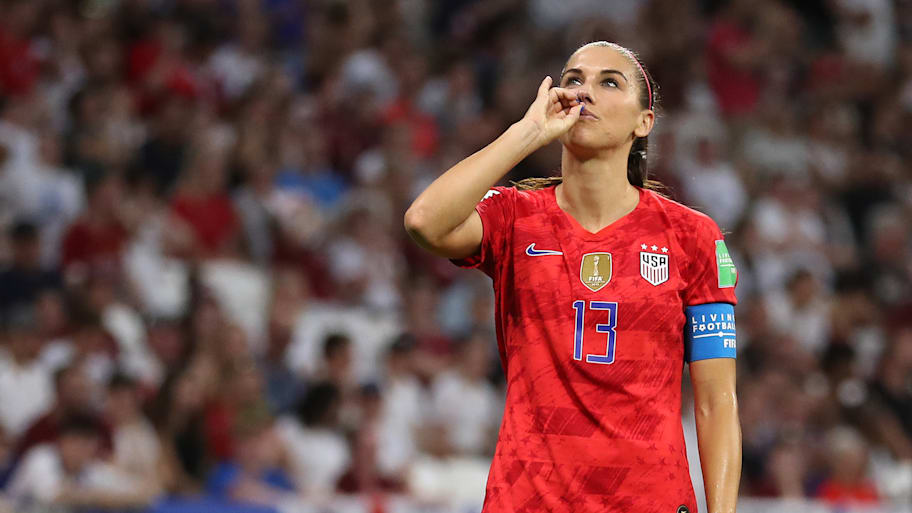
[[554, 111]]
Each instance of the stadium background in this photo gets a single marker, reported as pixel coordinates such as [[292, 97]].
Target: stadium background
[[204, 265]]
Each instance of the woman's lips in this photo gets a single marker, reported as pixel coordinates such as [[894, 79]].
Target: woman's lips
[[587, 114]]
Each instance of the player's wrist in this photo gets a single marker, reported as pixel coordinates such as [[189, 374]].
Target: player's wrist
[[530, 134]]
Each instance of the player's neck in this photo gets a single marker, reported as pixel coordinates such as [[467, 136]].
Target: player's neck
[[596, 191]]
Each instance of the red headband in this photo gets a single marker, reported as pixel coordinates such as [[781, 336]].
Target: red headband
[[645, 79]]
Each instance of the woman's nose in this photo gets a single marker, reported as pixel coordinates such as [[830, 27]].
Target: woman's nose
[[583, 96]]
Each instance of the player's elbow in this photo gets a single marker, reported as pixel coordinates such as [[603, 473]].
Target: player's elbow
[[434, 231], [414, 219], [716, 403], [419, 226]]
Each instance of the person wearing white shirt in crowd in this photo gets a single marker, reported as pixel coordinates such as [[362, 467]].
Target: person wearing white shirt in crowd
[[137, 449], [801, 311], [867, 30], [58, 198], [465, 404], [314, 320], [713, 185], [317, 452], [403, 410], [26, 384]]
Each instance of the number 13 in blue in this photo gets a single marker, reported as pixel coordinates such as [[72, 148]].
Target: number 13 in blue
[[611, 308]]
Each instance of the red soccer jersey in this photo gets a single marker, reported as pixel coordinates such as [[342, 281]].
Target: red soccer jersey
[[590, 332]]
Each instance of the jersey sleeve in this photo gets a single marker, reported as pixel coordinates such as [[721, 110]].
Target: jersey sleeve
[[496, 210], [711, 274]]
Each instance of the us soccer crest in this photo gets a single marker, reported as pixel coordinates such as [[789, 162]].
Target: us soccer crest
[[595, 270], [654, 267]]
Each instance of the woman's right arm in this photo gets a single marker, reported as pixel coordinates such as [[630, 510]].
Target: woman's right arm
[[443, 219]]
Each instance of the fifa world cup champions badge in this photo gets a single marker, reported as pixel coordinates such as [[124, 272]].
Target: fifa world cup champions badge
[[728, 275], [595, 270]]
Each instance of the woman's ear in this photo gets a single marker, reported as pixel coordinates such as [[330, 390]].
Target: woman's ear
[[645, 123]]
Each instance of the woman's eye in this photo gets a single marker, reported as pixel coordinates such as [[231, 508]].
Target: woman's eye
[[610, 82], [573, 81]]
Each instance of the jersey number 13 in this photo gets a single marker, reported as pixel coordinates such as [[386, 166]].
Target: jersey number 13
[[607, 328]]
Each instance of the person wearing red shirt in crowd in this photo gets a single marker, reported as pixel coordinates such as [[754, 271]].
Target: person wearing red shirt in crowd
[[93, 243], [604, 289], [203, 203], [19, 62], [157, 68], [847, 483], [733, 58], [421, 127]]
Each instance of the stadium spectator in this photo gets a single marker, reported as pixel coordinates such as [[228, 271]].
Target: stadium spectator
[[93, 243], [136, 447], [23, 279], [464, 403], [26, 383], [318, 454], [75, 394], [847, 459], [178, 415], [68, 473], [254, 475], [399, 430]]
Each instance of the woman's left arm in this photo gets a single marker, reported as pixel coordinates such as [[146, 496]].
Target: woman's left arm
[[718, 431]]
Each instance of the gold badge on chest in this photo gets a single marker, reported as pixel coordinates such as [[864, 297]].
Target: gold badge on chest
[[595, 270]]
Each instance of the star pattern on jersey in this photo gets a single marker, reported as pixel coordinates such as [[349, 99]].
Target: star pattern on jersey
[[654, 247]]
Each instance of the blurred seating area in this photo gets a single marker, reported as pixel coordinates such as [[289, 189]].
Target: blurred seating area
[[208, 300]]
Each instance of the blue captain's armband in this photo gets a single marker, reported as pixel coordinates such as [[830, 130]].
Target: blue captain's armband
[[709, 332]]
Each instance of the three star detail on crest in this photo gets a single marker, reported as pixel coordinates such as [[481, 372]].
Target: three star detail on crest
[[654, 248]]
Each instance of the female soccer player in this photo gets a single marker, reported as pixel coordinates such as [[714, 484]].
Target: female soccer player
[[603, 289]]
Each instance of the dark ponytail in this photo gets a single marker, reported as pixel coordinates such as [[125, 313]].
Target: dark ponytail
[[637, 168], [637, 165]]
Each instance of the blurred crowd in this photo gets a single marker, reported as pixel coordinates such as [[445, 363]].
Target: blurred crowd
[[206, 289]]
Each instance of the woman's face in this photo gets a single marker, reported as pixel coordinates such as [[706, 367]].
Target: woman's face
[[608, 83]]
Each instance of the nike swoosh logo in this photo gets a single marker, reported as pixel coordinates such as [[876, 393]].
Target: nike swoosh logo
[[531, 251]]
